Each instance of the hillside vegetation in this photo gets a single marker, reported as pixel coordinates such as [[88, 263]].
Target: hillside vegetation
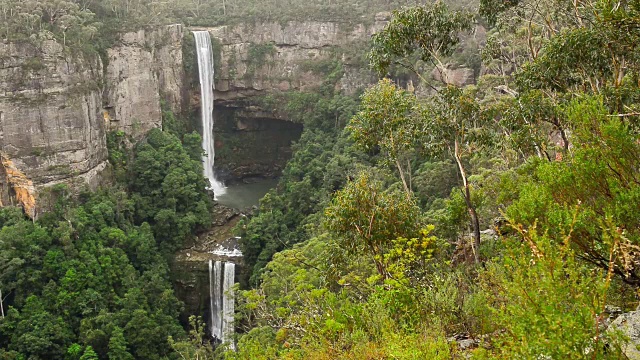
[[496, 221], [94, 24], [502, 215]]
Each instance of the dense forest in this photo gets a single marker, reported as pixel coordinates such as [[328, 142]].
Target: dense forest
[[90, 278], [499, 220]]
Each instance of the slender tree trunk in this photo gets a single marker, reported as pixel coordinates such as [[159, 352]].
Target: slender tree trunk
[[410, 179], [404, 181], [1, 305], [467, 199]]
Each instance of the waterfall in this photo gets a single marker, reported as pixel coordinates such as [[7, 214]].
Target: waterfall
[[205, 67], [222, 301], [228, 304], [211, 296], [215, 274]]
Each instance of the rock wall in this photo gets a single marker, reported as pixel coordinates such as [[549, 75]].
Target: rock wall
[[255, 60], [267, 57], [56, 106], [250, 147], [143, 70], [190, 266], [50, 124]]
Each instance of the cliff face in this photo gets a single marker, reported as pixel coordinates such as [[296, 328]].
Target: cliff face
[[57, 106], [50, 123], [143, 70], [256, 60], [267, 57]]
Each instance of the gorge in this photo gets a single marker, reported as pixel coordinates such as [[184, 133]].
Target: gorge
[[295, 179], [234, 74], [232, 83], [144, 74]]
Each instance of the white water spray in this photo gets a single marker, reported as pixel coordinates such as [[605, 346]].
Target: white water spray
[[206, 71]]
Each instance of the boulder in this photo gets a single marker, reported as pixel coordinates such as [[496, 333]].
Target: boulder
[[629, 325]]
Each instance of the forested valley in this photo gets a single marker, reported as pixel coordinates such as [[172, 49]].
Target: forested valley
[[415, 219]]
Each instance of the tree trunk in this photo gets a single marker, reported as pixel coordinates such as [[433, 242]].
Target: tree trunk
[[1, 306], [404, 181], [476, 225], [467, 199]]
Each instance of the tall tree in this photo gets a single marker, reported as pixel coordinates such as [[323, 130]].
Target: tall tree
[[386, 121], [366, 219], [451, 122], [431, 31]]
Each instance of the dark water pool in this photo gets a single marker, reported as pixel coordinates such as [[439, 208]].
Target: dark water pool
[[241, 196]]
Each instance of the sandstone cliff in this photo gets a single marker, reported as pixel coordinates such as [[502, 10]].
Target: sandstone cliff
[[50, 102], [253, 139], [274, 57], [144, 69], [56, 106]]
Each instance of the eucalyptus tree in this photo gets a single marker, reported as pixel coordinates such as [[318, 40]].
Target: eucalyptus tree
[[563, 49], [430, 31], [386, 122], [449, 123], [365, 219]]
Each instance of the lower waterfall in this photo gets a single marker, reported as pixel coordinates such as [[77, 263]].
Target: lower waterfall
[[215, 275], [228, 304], [222, 301]]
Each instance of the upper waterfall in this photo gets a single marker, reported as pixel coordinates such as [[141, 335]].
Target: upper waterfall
[[206, 71]]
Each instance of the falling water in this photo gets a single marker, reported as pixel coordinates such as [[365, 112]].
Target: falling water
[[205, 67], [215, 275], [228, 304], [222, 301], [211, 295]]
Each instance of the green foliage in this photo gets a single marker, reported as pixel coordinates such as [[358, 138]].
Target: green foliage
[[285, 214], [598, 181], [118, 153], [89, 354], [175, 125], [118, 346], [247, 11], [88, 279], [365, 219], [169, 189], [490, 9], [294, 298], [340, 259], [549, 301], [257, 56], [386, 121], [196, 346], [556, 161], [430, 30], [288, 213], [67, 20], [81, 275]]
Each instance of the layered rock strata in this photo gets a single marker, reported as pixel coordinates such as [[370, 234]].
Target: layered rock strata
[[56, 105]]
